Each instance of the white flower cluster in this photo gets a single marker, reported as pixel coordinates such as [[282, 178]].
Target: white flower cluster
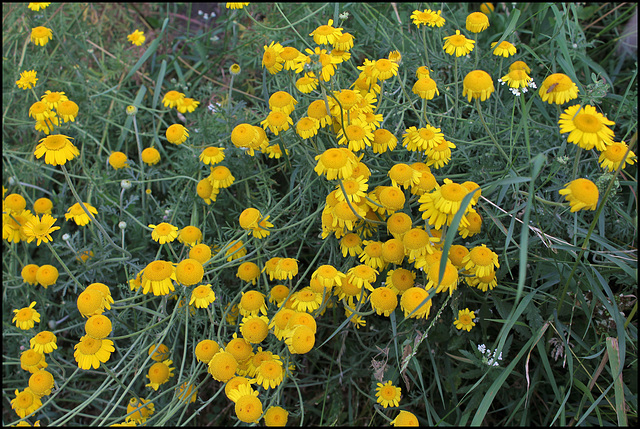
[[488, 356], [518, 91]]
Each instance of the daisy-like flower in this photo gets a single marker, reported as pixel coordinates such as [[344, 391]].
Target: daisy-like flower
[[157, 276], [254, 329], [32, 361], [350, 244], [371, 255], [189, 272], [90, 302], [458, 45], [441, 205], [40, 229], [393, 251], [159, 373], [220, 177], [26, 317], [405, 418], [212, 155], [187, 105], [465, 320], [276, 416], [57, 149], [89, 352], [477, 84], [25, 402], [172, 99], [354, 190], [484, 283], [413, 301], [400, 280], [449, 280], [118, 160], [481, 261], [325, 61], [41, 382], [202, 296], [164, 232], [362, 276], [277, 122], [517, 78], [306, 300], [307, 83], [68, 110], [614, 155], [504, 49], [150, 156], [48, 125], [307, 127], [187, 393], [474, 227], [177, 134], [326, 34], [41, 35], [586, 127], [336, 163], [388, 395], [293, 59], [422, 139], [582, 194], [558, 88], [78, 215], [271, 58], [98, 327], [240, 348], [236, 5], [318, 110], [344, 42], [440, 155], [44, 342], [282, 101], [37, 7], [136, 38], [383, 300], [205, 350], [252, 303], [248, 408], [383, 69], [139, 412], [426, 88], [403, 175], [286, 268], [28, 274], [383, 140], [53, 99], [28, 79], [236, 251], [477, 22], [427, 17], [356, 135], [300, 339], [249, 272], [40, 111]]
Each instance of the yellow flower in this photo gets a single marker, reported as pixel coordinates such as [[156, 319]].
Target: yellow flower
[[276, 122], [89, 352], [586, 127], [582, 194], [235, 69], [427, 17], [159, 373], [405, 418], [426, 88], [25, 402], [42, 206], [40, 229], [236, 5], [388, 395], [26, 317], [477, 84], [41, 382], [68, 110], [458, 45], [118, 160], [614, 155], [150, 156], [412, 301], [221, 177], [481, 261], [477, 22], [212, 155], [137, 37], [335, 163], [400, 280], [157, 276], [54, 99], [27, 79], [164, 232], [47, 275], [41, 35], [57, 149], [383, 301], [271, 58], [202, 296], [558, 88], [205, 350], [40, 111], [282, 101], [307, 83], [78, 214], [276, 417], [139, 411], [504, 49], [187, 105], [326, 34], [307, 127], [465, 320], [36, 7], [517, 78], [383, 69], [449, 280], [177, 134], [172, 99], [254, 329]]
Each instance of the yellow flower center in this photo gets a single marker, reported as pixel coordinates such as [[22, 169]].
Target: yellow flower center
[[280, 99], [56, 142], [202, 291], [220, 173], [289, 53], [585, 191], [67, 108], [457, 40], [159, 372], [347, 98], [465, 318], [402, 279], [388, 392], [163, 229], [277, 119], [416, 238], [89, 346], [481, 256], [158, 270], [453, 191], [31, 357], [333, 158], [252, 300], [587, 123], [383, 65], [40, 32], [269, 58], [24, 400]]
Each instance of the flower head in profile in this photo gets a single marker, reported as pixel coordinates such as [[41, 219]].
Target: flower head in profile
[[427, 17], [90, 352], [164, 232], [465, 320], [477, 84], [136, 38], [41, 35], [202, 296], [78, 214], [558, 88], [582, 194], [477, 22], [28, 79], [38, 6], [504, 49], [326, 34], [236, 5]]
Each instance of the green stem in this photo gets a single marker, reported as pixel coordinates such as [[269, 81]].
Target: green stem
[[64, 266], [493, 139], [141, 163]]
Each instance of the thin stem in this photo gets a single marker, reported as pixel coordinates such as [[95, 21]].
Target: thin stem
[[493, 139], [141, 163]]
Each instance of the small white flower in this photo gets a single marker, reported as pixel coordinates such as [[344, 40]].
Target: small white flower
[[66, 237], [122, 225], [125, 184], [344, 15]]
